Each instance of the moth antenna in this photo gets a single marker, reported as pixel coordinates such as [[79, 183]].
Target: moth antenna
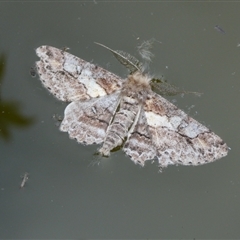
[[129, 61], [167, 89]]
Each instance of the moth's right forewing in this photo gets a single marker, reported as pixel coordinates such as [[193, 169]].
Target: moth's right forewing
[[178, 138]]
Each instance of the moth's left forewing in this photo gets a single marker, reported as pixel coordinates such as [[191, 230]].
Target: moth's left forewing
[[70, 78], [178, 138]]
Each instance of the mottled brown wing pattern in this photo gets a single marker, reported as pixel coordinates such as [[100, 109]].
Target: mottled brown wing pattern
[[70, 78], [88, 121], [178, 138]]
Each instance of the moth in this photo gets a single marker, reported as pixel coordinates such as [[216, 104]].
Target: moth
[[125, 113]]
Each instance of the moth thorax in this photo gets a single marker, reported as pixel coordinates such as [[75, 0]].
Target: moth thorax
[[139, 81], [137, 87]]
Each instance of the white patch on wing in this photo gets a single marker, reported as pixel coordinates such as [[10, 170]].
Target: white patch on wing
[[93, 89], [193, 129], [71, 67], [155, 120]]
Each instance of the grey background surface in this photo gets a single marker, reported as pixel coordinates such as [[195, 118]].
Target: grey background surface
[[68, 195]]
